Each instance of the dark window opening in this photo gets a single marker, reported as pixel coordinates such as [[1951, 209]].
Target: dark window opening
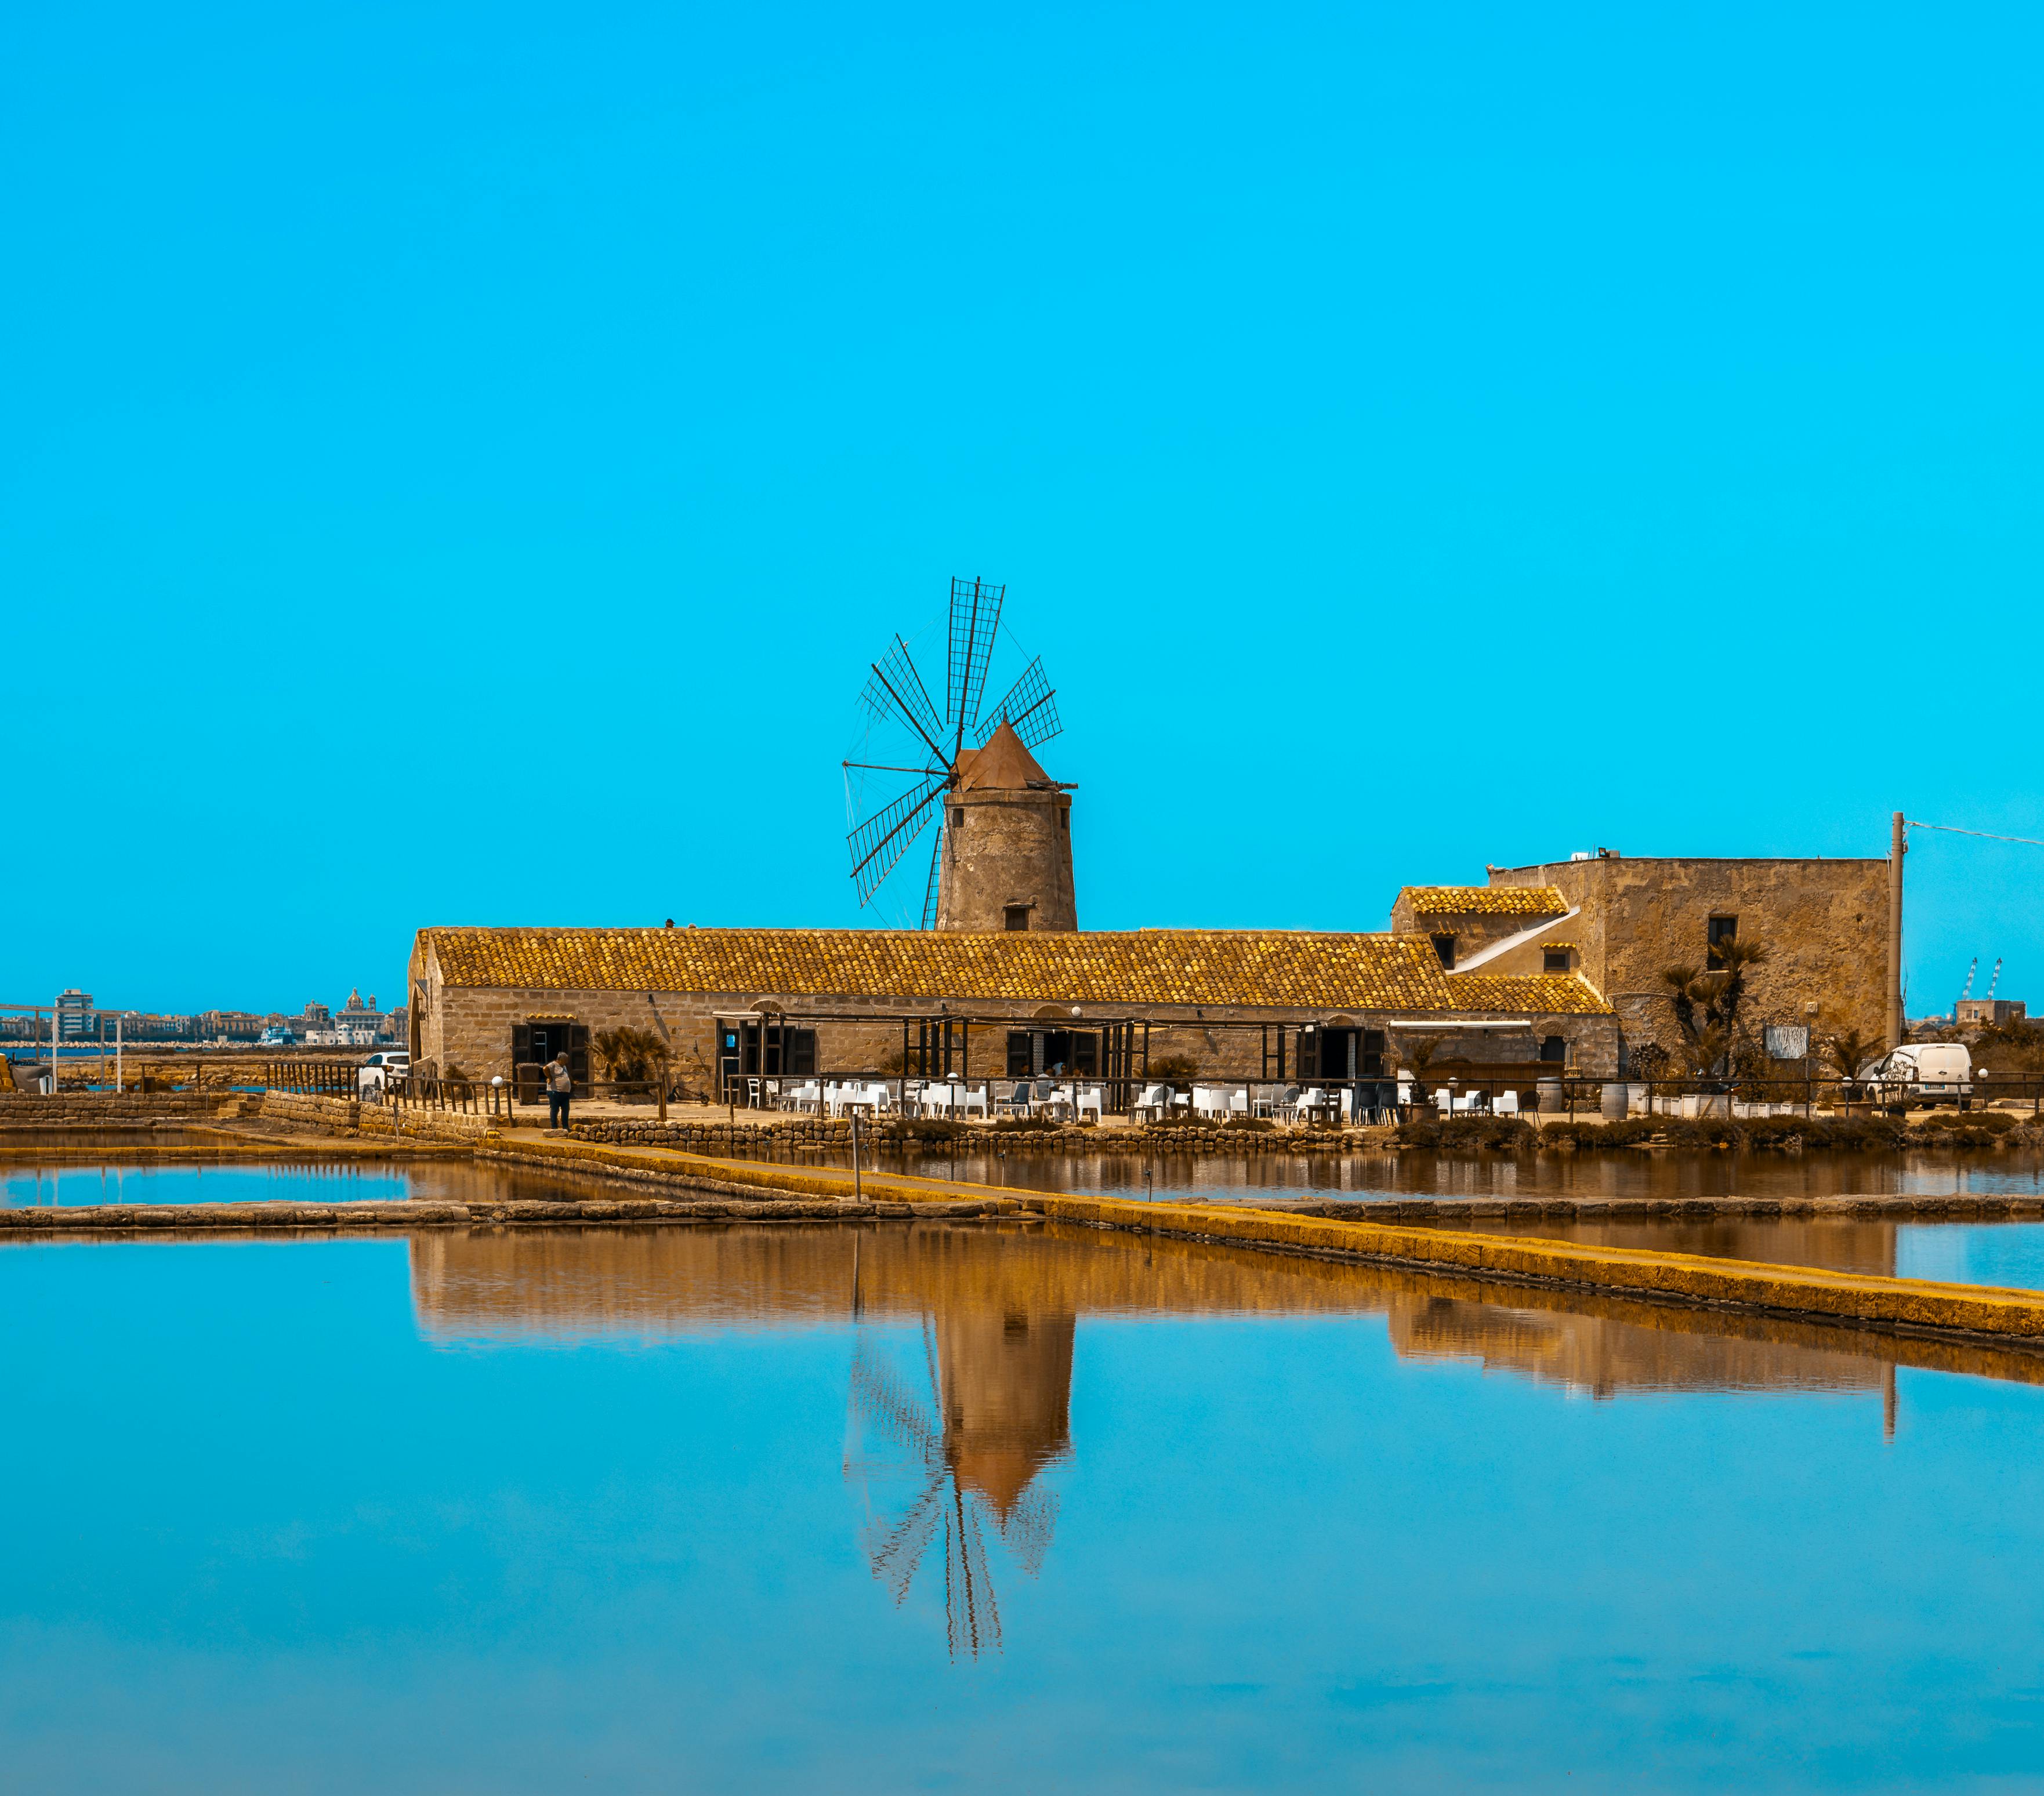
[[1717, 932], [1060, 1052], [1553, 959], [1444, 945], [534, 1043], [774, 1049], [1554, 1049], [1341, 1054], [1016, 916], [1064, 820], [958, 816]]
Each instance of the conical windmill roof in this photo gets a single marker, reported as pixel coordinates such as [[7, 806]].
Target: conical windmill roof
[[1004, 762]]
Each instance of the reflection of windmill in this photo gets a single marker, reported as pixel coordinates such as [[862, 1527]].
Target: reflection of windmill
[[971, 1442], [919, 744]]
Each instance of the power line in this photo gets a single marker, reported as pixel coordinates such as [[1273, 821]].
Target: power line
[[1985, 835]]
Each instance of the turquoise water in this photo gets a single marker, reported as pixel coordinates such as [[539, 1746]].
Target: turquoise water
[[200, 1183], [916, 1506]]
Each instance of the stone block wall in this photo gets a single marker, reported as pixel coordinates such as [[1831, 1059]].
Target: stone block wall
[[1003, 847], [1825, 922], [472, 1029], [83, 1109], [344, 1116]]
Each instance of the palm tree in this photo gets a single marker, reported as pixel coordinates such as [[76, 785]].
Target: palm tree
[[1704, 1052], [1849, 1049], [1687, 988], [1736, 957]]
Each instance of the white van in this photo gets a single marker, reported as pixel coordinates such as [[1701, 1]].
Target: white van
[[379, 1070], [1924, 1072]]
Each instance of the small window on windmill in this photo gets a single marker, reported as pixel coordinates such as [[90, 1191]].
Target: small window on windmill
[[958, 816], [1016, 916]]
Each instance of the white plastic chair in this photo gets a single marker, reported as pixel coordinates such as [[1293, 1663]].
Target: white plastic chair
[[1507, 1104]]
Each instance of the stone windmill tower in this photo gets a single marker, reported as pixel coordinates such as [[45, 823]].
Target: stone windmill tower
[[1003, 858]]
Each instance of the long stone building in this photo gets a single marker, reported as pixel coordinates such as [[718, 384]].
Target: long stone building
[[729, 1004]]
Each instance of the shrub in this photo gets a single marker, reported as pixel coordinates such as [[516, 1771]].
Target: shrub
[[1994, 1122], [1504, 1134]]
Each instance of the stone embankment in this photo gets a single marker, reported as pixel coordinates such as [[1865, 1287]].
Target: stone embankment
[[2008, 1317], [266, 1218], [345, 1116], [938, 1139], [1457, 1212], [107, 1110]]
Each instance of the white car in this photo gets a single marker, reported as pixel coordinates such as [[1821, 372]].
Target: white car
[[379, 1070], [1924, 1072]]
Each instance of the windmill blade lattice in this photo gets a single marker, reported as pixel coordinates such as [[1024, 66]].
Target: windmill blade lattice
[[881, 840], [975, 622], [1030, 709]]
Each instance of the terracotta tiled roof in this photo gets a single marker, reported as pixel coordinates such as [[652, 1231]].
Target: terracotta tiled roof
[[1280, 969], [1003, 762], [1491, 900], [1536, 994]]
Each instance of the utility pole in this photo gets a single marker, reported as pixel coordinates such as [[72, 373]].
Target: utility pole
[[1898, 845]]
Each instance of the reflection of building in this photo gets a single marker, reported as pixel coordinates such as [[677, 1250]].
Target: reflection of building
[[1007, 1381], [1605, 1357]]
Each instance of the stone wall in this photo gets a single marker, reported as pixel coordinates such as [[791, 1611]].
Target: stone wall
[[1003, 847], [85, 1110], [344, 1116], [1825, 921], [471, 1029], [766, 1141]]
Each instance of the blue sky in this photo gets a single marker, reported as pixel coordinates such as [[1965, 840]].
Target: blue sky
[[460, 461]]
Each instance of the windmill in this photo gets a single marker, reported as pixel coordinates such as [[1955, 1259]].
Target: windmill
[[961, 1485], [915, 737]]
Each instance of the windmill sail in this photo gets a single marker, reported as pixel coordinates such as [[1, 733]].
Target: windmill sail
[[975, 622], [895, 688], [1030, 708], [883, 839], [931, 885]]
